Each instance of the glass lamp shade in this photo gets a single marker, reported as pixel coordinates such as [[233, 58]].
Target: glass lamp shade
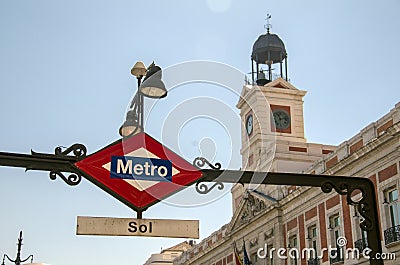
[[130, 125], [126, 130], [139, 69], [153, 88]]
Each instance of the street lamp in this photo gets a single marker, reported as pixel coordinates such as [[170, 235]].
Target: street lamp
[[151, 87], [17, 260]]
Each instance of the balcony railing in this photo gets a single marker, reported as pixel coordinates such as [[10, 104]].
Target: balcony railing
[[336, 256], [313, 261], [360, 244], [392, 234]]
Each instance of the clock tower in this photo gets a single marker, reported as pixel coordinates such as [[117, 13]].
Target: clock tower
[[271, 110]]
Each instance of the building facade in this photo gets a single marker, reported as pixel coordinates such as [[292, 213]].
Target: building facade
[[166, 256], [307, 225]]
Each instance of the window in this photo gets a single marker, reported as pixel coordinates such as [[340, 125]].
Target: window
[[361, 235], [394, 207], [270, 255], [334, 225], [254, 258], [392, 233], [312, 240], [293, 251], [336, 255]]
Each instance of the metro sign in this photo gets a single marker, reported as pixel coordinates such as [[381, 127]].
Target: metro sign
[[139, 171], [143, 168]]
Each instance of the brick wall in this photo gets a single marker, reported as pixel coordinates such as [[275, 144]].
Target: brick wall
[[387, 173], [291, 224], [311, 213], [347, 223], [332, 202], [302, 236], [384, 127], [322, 226], [331, 162], [357, 145]]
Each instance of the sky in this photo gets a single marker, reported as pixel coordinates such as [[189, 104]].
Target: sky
[[65, 79]]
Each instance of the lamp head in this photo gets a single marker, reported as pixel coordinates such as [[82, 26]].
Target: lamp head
[[130, 125], [152, 69], [139, 69], [153, 86]]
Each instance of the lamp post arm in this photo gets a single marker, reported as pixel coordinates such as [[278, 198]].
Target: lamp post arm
[[9, 259], [29, 257], [56, 163], [140, 104]]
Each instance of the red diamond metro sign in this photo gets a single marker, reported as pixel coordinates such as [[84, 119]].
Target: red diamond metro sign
[[139, 171]]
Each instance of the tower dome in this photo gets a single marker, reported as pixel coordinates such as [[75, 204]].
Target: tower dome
[[268, 49]]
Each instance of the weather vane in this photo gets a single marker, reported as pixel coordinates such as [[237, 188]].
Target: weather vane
[[268, 26]]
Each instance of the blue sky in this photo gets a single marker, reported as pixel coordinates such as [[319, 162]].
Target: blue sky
[[65, 78]]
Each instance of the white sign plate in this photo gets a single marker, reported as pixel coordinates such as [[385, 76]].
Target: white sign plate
[[107, 226]]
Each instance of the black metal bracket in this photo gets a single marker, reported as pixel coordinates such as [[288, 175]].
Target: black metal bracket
[[57, 163], [367, 205], [201, 187]]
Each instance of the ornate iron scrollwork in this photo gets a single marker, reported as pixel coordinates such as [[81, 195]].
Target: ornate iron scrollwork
[[362, 206], [56, 163], [201, 162], [201, 187], [79, 151], [72, 180]]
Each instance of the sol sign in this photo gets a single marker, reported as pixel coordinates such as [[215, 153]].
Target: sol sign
[[107, 226]]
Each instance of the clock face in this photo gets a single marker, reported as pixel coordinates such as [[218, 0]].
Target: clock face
[[249, 124], [282, 119]]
